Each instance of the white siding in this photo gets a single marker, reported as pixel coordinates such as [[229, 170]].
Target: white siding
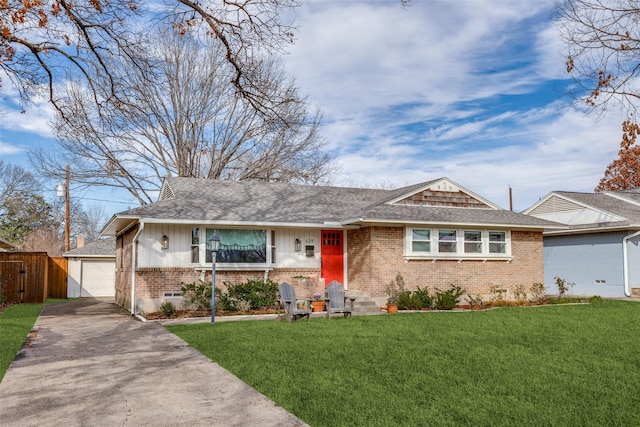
[[151, 254], [286, 255]]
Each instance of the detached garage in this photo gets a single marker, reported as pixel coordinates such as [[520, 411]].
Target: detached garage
[[92, 270]]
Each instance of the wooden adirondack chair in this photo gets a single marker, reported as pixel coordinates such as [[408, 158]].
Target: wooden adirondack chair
[[337, 301], [288, 300]]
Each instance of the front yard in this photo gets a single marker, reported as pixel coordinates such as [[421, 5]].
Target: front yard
[[551, 365]]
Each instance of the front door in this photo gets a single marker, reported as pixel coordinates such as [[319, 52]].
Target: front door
[[332, 256]]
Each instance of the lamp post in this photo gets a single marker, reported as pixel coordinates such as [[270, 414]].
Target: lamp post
[[215, 246]]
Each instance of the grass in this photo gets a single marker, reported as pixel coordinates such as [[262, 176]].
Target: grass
[[16, 322], [554, 365]]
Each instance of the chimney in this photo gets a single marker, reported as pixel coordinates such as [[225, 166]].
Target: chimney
[[79, 241]]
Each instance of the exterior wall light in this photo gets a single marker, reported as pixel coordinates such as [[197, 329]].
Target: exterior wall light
[[214, 244], [165, 242], [298, 245]]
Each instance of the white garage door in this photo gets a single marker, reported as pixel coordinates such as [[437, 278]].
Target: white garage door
[[98, 279]]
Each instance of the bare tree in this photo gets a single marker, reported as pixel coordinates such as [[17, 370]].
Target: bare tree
[[182, 117], [14, 180], [45, 42], [603, 51], [90, 221], [43, 239]]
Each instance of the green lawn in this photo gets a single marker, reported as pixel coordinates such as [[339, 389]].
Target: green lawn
[[15, 323], [555, 365]]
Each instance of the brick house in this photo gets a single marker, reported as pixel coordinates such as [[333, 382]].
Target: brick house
[[434, 233]]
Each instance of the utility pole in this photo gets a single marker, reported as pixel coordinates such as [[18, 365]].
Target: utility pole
[[67, 214]]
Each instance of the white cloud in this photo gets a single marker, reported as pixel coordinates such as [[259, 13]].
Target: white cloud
[[8, 149], [567, 151], [363, 56]]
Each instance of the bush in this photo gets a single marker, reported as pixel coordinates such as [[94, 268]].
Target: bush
[[563, 286], [449, 299], [538, 291], [520, 294], [256, 292], [197, 294], [496, 293], [394, 288], [475, 303], [409, 301], [167, 308], [424, 296]]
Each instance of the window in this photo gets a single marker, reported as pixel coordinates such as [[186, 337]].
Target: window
[[457, 243], [420, 240], [447, 241], [195, 245], [497, 242], [473, 242], [239, 246]]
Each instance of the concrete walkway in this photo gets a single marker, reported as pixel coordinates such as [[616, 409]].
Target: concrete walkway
[[92, 364]]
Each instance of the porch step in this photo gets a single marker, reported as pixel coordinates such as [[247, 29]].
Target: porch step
[[635, 292], [363, 303]]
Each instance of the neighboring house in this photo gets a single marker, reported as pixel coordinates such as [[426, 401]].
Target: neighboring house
[[91, 269], [435, 234], [600, 249]]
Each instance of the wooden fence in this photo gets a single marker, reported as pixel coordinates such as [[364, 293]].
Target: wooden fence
[[31, 277], [58, 269]]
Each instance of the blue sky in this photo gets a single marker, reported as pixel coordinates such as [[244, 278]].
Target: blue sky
[[471, 90]]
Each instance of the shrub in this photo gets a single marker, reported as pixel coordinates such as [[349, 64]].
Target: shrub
[[394, 288], [475, 303], [520, 294], [224, 302], [197, 294], [167, 308], [502, 303], [425, 297], [256, 292], [538, 291], [409, 301], [496, 293], [449, 299], [563, 286]]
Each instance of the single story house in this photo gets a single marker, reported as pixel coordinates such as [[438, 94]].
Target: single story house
[[92, 269], [435, 234], [599, 251]]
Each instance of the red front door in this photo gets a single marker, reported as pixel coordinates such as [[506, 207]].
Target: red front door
[[332, 256]]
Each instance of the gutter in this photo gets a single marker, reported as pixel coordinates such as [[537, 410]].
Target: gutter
[[625, 262], [134, 246]]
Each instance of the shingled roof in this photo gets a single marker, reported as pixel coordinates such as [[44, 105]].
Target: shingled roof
[[99, 248], [190, 200], [591, 211]]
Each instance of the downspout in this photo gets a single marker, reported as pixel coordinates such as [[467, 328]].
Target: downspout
[[625, 262], [134, 246]]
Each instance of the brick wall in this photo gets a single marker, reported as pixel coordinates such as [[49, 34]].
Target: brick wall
[[152, 282], [375, 256]]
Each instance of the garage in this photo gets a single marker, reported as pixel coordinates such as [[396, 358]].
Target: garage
[[91, 270], [97, 279]]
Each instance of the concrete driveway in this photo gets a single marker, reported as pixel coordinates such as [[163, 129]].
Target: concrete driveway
[[91, 364]]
